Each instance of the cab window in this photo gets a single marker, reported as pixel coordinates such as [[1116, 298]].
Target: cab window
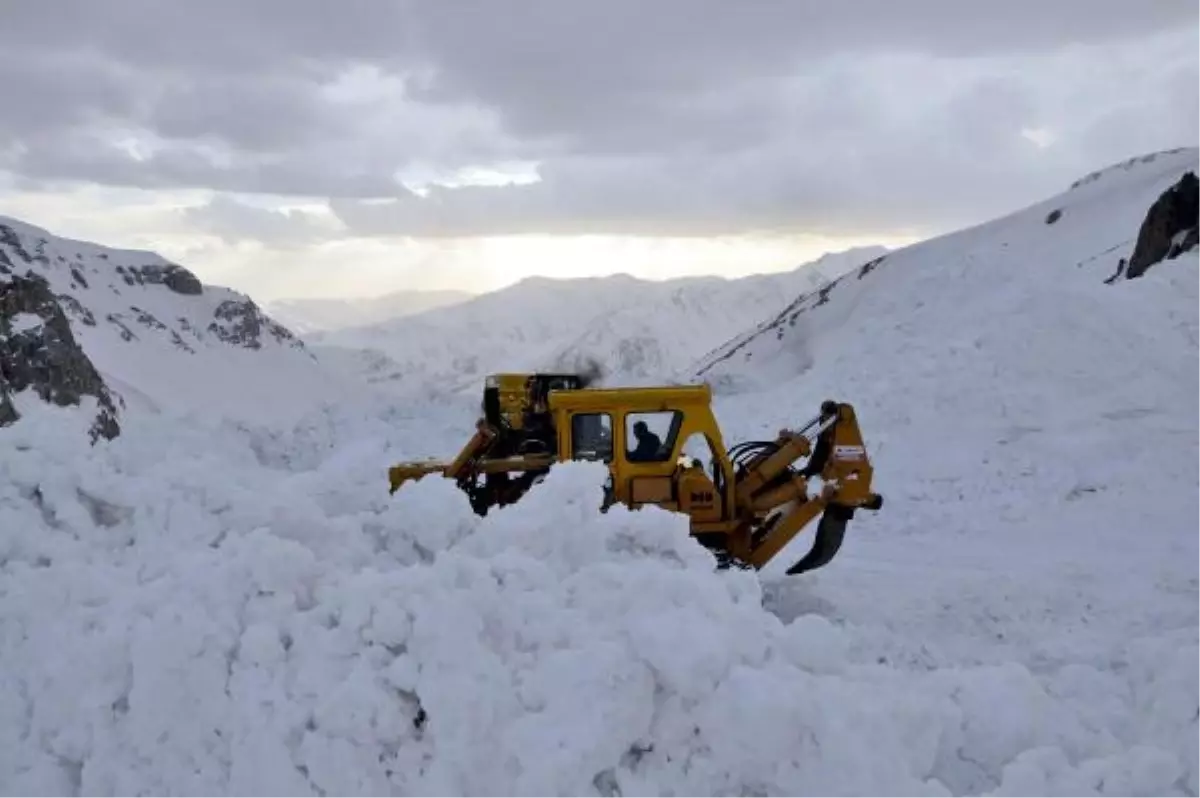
[[650, 437], [591, 437]]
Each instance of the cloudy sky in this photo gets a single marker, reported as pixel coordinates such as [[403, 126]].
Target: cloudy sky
[[305, 148]]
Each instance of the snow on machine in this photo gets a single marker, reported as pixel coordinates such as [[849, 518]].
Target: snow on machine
[[749, 503]]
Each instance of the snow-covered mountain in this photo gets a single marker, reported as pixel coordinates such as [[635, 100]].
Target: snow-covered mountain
[[1022, 616], [141, 332], [304, 316], [634, 330], [962, 281]]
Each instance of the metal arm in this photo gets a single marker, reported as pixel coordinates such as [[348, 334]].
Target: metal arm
[[835, 448]]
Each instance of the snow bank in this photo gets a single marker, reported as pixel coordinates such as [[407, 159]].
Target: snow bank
[[175, 618]]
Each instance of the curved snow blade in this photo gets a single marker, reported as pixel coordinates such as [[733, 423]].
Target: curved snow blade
[[830, 532]]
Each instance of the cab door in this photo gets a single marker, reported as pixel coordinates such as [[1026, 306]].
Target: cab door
[[593, 438], [648, 442]]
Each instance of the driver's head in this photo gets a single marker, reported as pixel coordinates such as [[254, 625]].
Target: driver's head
[[640, 429]]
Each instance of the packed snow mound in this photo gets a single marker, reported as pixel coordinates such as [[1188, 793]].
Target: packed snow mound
[[637, 330], [304, 316], [162, 340], [178, 619]]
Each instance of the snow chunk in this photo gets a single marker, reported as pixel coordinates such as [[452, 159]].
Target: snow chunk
[[25, 322]]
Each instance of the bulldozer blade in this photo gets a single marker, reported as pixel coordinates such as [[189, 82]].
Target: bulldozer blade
[[527, 462], [412, 471], [830, 532]]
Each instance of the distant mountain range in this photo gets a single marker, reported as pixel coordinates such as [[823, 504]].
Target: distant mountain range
[[304, 316], [632, 330]]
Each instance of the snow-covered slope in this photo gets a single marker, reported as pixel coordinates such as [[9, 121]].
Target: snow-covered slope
[[635, 330], [162, 340], [189, 612], [1034, 432], [304, 316], [1007, 268]]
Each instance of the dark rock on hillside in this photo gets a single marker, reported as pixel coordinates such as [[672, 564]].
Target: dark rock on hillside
[[45, 356], [9, 237], [1118, 274], [1170, 226], [174, 277], [242, 323]]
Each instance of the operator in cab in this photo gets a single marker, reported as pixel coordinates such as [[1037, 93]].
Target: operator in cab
[[648, 444]]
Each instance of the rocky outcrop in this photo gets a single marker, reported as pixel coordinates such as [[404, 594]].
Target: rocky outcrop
[[1170, 226], [9, 238], [38, 351], [80, 311], [174, 277], [241, 323]]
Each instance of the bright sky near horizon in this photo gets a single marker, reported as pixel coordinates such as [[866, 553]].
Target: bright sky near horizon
[[290, 148]]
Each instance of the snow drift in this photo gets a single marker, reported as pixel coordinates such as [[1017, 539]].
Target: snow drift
[[168, 630]]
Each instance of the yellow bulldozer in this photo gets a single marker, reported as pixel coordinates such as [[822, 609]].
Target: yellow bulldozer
[[746, 508]]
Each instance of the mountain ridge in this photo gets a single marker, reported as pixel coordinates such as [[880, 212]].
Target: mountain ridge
[[140, 320], [635, 330], [310, 315]]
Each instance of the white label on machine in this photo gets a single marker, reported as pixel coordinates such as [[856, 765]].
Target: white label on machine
[[849, 452]]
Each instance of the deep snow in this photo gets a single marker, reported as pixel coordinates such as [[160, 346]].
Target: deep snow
[[187, 621], [211, 608]]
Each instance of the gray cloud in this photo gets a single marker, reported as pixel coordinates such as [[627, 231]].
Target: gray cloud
[[568, 67], [687, 117], [880, 144], [51, 92], [235, 221], [87, 157], [218, 36], [262, 116]]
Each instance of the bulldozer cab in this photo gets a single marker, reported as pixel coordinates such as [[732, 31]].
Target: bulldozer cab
[[746, 508], [510, 398], [640, 433], [516, 406]]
